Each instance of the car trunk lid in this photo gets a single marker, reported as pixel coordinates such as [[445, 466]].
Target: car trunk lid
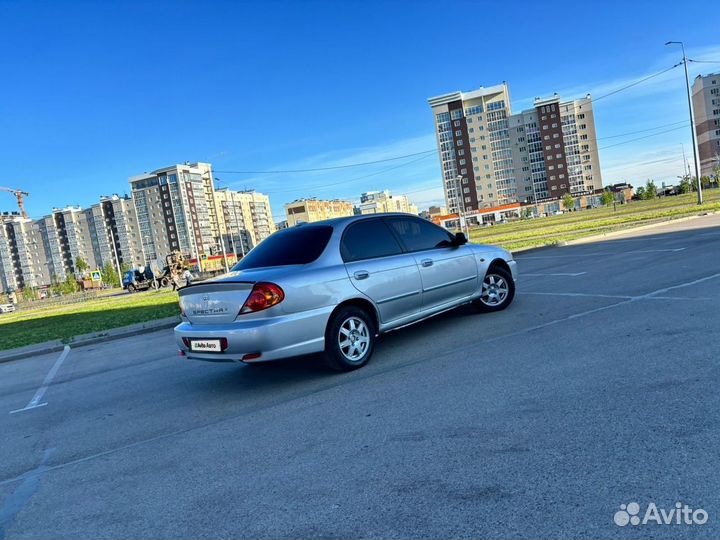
[[214, 303]]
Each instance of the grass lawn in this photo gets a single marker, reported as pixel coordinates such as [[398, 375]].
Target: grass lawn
[[37, 325], [551, 230]]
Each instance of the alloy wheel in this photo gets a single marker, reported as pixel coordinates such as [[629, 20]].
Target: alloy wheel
[[353, 339], [494, 290]]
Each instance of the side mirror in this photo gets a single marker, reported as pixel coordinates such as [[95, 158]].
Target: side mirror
[[460, 239]]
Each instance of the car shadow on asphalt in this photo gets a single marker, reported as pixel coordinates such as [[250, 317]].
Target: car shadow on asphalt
[[299, 371]]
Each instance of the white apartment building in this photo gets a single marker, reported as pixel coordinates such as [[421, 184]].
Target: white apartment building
[[176, 210], [309, 210], [490, 157], [245, 217], [706, 105], [376, 202], [23, 261]]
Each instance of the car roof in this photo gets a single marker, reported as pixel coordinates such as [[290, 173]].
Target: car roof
[[339, 221]]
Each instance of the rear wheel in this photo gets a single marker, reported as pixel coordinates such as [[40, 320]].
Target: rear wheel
[[349, 339], [498, 290]]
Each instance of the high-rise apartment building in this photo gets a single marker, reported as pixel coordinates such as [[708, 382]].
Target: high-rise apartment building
[[23, 260], [376, 202], [176, 210], [706, 105], [309, 210], [74, 230], [115, 233], [246, 219], [490, 157]]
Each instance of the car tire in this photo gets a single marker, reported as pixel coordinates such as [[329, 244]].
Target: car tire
[[349, 339], [131, 288], [498, 290]]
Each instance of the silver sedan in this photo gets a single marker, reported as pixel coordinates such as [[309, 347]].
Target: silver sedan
[[332, 287]]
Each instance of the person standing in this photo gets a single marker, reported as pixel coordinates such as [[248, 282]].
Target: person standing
[[188, 277], [175, 280]]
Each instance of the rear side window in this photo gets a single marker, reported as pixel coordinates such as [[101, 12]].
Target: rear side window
[[299, 245], [368, 240], [418, 234]]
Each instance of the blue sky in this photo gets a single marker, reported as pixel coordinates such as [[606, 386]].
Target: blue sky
[[95, 92]]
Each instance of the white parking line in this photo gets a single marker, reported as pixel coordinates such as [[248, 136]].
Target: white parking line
[[654, 250], [520, 256], [35, 401], [570, 274]]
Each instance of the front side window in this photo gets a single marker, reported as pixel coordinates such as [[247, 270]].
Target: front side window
[[419, 235], [298, 245], [368, 239]]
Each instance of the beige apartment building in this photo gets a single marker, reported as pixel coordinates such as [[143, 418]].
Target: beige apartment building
[[246, 219], [309, 210], [176, 211], [706, 105], [490, 157], [377, 202]]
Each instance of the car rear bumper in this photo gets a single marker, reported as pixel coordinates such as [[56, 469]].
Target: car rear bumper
[[273, 338]]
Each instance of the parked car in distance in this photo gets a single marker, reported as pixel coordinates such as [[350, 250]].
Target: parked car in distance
[[332, 287], [7, 308]]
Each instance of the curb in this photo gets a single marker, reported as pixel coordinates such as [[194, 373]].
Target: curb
[[89, 339]]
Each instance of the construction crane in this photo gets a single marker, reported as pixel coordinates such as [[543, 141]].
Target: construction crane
[[20, 195]]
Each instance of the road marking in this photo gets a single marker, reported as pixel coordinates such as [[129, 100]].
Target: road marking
[[654, 250], [35, 401], [519, 256], [19, 498], [570, 274], [619, 297], [577, 294]]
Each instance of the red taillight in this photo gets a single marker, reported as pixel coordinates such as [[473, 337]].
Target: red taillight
[[262, 296]]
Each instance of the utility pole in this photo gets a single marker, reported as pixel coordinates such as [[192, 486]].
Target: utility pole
[[692, 121]]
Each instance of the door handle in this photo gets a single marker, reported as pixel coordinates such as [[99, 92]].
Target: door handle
[[361, 274], [426, 262]]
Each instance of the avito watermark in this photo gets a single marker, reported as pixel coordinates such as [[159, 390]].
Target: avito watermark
[[680, 514]]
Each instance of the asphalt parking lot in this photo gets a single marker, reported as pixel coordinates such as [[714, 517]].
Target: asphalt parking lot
[[597, 387]]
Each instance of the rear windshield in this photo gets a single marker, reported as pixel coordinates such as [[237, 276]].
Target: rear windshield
[[299, 245]]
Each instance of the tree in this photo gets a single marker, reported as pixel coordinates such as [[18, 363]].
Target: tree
[[607, 198], [706, 181], [650, 190], [640, 193], [684, 186], [125, 267], [69, 286], [80, 265], [568, 202], [110, 276], [29, 294]]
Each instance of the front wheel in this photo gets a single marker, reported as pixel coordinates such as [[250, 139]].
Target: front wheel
[[131, 288], [349, 339], [498, 290]]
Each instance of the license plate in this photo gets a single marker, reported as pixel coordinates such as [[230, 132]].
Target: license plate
[[205, 345]]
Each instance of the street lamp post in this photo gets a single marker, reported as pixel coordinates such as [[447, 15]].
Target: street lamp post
[[692, 121]]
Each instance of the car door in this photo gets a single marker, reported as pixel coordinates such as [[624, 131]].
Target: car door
[[448, 272], [377, 267]]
